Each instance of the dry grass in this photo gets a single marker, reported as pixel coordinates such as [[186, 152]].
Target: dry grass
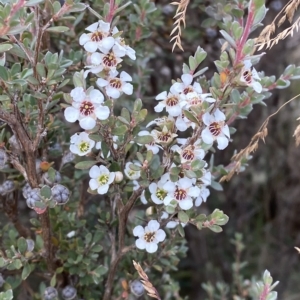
[[287, 13], [151, 290], [253, 145], [180, 20]]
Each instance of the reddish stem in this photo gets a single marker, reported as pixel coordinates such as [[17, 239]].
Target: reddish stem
[[264, 293], [247, 29], [112, 9]]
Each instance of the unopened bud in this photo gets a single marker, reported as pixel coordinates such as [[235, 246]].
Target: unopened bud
[[60, 194], [69, 292], [57, 178], [6, 187], [118, 176], [137, 288], [3, 159], [30, 245], [50, 293]]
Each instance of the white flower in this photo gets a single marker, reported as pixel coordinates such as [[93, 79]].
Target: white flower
[[98, 38], [250, 77], [172, 103], [81, 144], [149, 237], [191, 153], [152, 146], [163, 137], [183, 123], [181, 191], [185, 86], [204, 193], [216, 129], [120, 41], [131, 174], [195, 99], [115, 86], [158, 193], [86, 108], [101, 178]]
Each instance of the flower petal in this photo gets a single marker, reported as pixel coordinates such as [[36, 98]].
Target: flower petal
[[102, 112], [138, 231], [71, 114], [160, 235], [151, 247]]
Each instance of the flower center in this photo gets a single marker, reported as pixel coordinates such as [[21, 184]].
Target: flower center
[[172, 101], [164, 137], [180, 194], [188, 154], [215, 128], [116, 83], [149, 237], [161, 194], [195, 101], [187, 90], [103, 179], [86, 108], [97, 36], [247, 76], [84, 146], [110, 60]]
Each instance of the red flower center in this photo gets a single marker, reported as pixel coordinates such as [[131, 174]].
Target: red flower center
[[248, 76], [86, 108], [180, 194], [110, 60], [116, 83], [215, 128], [188, 154], [172, 101], [97, 36], [187, 90]]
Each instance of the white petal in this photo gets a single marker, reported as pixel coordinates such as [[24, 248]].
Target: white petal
[[112, 92], [225, 130], [93, 184], [181, 125], [151, 247], [222, 142], [104, 26], [127, 88], [153, 225], [257, 87], [84, 38], [174, 111], [96, 96], [93, 27], [102, 112], [102, 82], [90, 46], [71, 114], [161, 96], [87, 123], [159, 107], [124, 76], [172, 224], [160, 235], [186, 204], [187, 79], [207, 118], [96, 59], [74, 149], [140, 243], [198, 201], [219, 116], [106, 44], [138, 231], [194, 191], [103, 189], [94, 172], [156, 200], [207, 136]]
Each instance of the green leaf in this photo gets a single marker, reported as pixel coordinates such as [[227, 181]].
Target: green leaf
[[183, 217], [125, 114], [53, 280], [5, 47], [58, 29], [144, 139], [3, 73], [84, 165], [76, 7], [26, 271], [138, 104], [123, 120], [197, 165], [46, 192], [190, 116], [97, 248], [120, 130], [180, 230], [216, 186], [8, 295], [22, 245], [17, 264], [51, 174], [215, 228], [200, 55], [228, 38]]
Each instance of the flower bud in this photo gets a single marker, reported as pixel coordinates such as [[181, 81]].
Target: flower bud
[[2, 281], [68, 157], [33, 197], [69, 292], [118, 176], [3, 159], [44, 165], [60, 194], [6, 187], [50, 293], [30, 245], [26, 190], [137, 288]]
